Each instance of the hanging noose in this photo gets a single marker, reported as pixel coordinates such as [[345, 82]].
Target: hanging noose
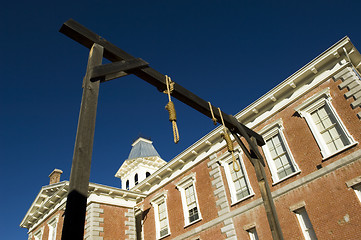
[[236, 166], [214, 119], [171, 109]]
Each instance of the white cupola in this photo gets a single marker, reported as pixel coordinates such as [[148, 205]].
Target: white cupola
[[143, 160]]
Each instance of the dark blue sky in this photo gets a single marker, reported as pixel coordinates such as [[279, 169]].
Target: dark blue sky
[[227, 52]]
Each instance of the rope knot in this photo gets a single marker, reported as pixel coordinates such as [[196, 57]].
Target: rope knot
[[171, 109], [170, 86]]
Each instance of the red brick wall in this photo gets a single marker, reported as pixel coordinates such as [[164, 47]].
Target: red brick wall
[[206, 202], [114, 222], [328, 200], [299, 137]]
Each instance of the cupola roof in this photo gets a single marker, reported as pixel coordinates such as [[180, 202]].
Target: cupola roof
[[142, 148]]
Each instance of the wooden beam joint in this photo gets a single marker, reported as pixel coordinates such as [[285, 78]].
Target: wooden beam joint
[[117, 69]]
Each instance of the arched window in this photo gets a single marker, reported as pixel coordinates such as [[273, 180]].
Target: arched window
[[136, 179], [147, 174], [127, 185]]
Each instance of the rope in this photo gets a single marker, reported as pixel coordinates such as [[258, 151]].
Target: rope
[[236, 166], [214, 119], [171, 109]]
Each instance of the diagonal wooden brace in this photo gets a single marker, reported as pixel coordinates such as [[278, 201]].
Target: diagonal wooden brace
[[114, 70]]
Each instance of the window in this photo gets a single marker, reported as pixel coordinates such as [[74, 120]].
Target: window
[[355, 184], [189, 200], [147, 174], [238, 182], [191, 203], [161, 215], [253, 234], [127, 185], [305, 224], [357, 189], [136, 179], [39, 234], [138, 213], [278, 153], [52, 224], [326, 126]]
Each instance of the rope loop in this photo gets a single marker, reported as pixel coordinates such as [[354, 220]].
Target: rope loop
[[227, 138], [214, 119], [171, 109]]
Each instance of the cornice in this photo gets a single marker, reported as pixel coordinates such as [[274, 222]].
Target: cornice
[[52, 198], [319, 70]]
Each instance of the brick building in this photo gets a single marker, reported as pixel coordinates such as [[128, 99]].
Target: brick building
[[311, 125]]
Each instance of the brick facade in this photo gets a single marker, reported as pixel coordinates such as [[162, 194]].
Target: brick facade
[[320, 184]]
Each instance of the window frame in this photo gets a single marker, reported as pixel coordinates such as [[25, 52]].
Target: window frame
[[231, 186], [252, 233], [357, 189], [127, 184], [303, 220], [156, 201], [181, 186], [52, 225], [311, 105], [136, 179], [39, 234], [269, 132]]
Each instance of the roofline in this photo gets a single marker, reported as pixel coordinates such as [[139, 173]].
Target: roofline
[[335, 51], [93, 187], [298, 74]]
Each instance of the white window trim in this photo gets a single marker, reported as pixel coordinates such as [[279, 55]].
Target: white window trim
[[355, 184], [225, 163], [39, 234], [357, 189], [159, 198], [253, 235], [53, 223], [302, 217], [305, 110], [268, 132], [251, 230], [181, 186]]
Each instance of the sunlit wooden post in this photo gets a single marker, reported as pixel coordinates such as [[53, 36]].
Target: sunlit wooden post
[[76, 203]]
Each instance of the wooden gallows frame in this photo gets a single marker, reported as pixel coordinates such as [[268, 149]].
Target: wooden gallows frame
[[124, 64]]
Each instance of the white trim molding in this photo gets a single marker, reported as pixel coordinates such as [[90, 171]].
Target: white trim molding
[[52, 225], [305, 223], [326, 126], [187, 188], [278, 153], [355, 184], [241, 180], [39, 234], [159, 203]]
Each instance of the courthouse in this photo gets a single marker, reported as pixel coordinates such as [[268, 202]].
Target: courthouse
[[311, 124]]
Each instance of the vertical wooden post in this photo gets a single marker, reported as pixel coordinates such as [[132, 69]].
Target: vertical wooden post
[[75, 211], [267, 198], [265, 190]]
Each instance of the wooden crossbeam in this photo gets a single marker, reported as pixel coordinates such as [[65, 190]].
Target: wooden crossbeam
[[87, 38]]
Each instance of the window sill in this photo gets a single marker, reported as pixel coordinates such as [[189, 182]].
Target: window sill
[[242, 199], [285, 178], [164, 236], [339, 151], [189, 224]]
